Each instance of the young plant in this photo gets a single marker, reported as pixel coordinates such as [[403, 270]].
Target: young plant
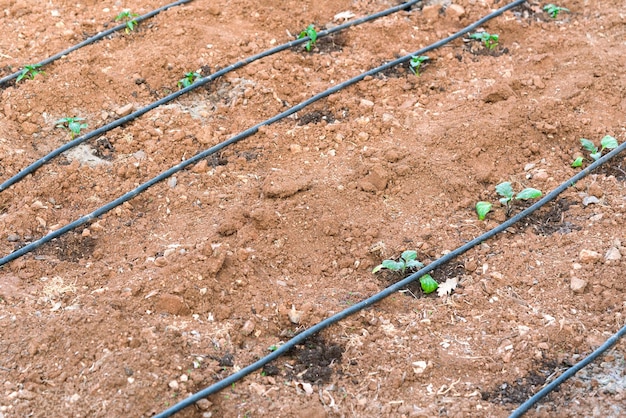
[[312, 34], [73, 125], [128, 17], [608, 142], [489, 40], [190, 78], [482, 209], [554, 10], [408, 260], [506, 191], [416, 63], [29, 72]]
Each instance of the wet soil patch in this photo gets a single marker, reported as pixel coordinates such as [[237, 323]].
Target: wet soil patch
[[522, 388], [69, 247], [316, 116], [549, 219], [615, 169], [313, 360]]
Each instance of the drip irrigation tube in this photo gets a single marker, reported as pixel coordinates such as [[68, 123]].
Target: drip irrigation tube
[[248, 132], [94, 39], [200, 82], [298, 339], [523, 408]]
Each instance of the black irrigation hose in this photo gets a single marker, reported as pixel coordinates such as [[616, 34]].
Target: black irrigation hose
[[523, 408], [248, 132], [200, 82], [298, 339], [94, 39]]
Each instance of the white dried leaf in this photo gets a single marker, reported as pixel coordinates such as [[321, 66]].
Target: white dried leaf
[[447, 287], [344, 15]]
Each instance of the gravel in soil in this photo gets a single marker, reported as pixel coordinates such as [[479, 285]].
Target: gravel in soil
[[196, 277]]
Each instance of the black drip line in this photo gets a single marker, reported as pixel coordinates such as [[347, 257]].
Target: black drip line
[[200, 82], [95, 38]]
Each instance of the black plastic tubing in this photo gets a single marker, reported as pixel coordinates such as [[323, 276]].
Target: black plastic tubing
[[94, 39], [248, 132], [200, 82]]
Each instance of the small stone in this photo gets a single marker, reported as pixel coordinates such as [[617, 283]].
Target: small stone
[[543, 346], [160, 261], [419, 366], [295, 148], [204, 404], [124, 110], [172, 304], [595, 190], [172, 181], [86, 232], [366, 103], [294, 316], [13, 238], [588, 200], [588, 256], [613, 254], [184, 378], [173, 385], [248, 327], [456, 11], [541, 175], [577, 285], [200, 167]]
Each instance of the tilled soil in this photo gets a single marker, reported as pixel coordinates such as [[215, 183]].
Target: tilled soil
[[208, 271]]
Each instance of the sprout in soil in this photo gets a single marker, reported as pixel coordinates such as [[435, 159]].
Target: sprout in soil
[[190, 78], [29, 71], [506, 191], [608, 142], [73, 125], [416, 63], [128, 17], [408, 260], [554, 10], [482, 209], [312, 34], [490, 41]]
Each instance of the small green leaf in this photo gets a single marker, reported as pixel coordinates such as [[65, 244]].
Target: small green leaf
[[528, 193], [578, 162], [482, 209], [377, 269], [409, 255], [428, 284], [393, 265], [414, 264], [588, 145], [608, 142], [505, 201], [505, 190], [595, 155]]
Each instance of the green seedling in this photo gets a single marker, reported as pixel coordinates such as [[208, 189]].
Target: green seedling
[[608, 142], [312, 34], [190, 78], [506, 191], [416, 63], [554, 10], [489, 40], [129, 18], [73, 125], [482, 209], [29, 72], [408, 260]]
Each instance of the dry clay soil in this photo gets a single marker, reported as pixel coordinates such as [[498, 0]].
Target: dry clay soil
[[203, 273]]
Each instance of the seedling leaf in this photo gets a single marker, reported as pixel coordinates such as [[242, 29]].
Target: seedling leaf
[[428, 284], [482, 209], [596, 155], [409, 255], [608, 142], [528, 193], [505, 190], [578, 162], [588, 145]]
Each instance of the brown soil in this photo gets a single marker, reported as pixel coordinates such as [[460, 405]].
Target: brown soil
[[199, 276]]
